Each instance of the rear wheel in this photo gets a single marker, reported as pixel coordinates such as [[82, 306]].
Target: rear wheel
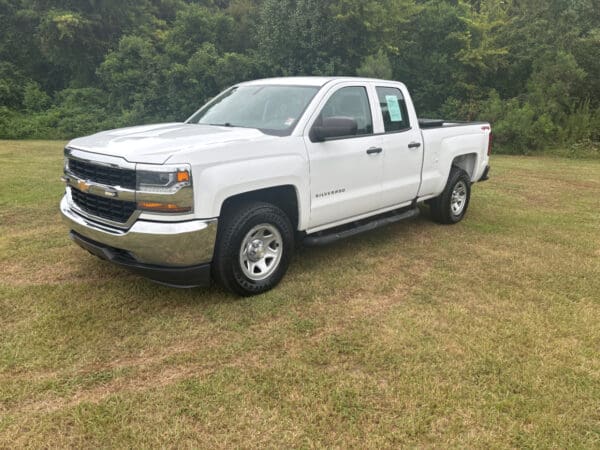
[[451, 205], [254, 248]]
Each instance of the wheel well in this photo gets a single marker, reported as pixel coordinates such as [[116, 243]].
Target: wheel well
[[283, 197], [466, 163]]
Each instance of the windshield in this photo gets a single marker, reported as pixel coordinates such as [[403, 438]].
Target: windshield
[[272, 109]]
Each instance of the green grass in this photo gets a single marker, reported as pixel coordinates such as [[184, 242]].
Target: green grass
[[484, 334]]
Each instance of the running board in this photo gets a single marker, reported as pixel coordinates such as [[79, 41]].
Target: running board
[[343, 232]]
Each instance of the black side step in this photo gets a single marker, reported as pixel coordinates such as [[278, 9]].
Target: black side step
[[360, 227]]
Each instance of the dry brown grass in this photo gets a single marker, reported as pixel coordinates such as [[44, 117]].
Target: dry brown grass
[[484, 334]]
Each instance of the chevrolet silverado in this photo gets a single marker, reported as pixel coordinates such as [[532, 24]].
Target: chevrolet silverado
[[264, 165]]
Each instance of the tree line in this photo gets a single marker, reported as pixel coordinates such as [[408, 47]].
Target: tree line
[[532, 67]]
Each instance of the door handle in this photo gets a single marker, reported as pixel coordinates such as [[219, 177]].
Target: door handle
[[374, 150], [414, 145]]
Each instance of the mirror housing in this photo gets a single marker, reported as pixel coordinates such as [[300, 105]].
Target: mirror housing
[[333, 127]]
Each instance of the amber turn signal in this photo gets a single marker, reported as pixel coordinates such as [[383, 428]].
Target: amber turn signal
[[163, 207], [183, 175]]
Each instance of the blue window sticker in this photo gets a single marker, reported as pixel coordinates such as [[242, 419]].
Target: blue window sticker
[[393, 108]]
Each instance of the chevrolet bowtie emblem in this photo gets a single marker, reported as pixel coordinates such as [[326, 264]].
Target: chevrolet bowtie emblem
[[83, 186]]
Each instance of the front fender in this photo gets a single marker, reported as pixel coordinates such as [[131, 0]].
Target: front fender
[[220, 182]]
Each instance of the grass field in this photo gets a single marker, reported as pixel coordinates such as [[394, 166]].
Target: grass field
[[484, 334]]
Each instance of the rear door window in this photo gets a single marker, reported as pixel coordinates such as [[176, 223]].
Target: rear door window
[[393, 109]]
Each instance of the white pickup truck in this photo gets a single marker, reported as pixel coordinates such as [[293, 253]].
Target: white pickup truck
[[263, 165]]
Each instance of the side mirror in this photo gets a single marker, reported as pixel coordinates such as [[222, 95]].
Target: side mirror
[[333, 127]]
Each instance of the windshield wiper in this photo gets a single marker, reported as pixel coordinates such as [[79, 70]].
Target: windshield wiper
[[226, 124]]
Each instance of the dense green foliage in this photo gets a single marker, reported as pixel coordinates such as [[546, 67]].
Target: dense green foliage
[[532, 67]]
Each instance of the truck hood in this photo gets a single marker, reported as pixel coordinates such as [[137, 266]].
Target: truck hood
[[155, 144]]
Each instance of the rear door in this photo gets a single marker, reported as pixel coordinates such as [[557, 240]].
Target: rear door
[[345, 172], [403, 146]]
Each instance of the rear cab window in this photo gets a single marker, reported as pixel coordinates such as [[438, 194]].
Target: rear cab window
[[393, 109]]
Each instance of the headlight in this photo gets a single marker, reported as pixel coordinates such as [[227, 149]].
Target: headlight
[[164, 189], [162, 179]]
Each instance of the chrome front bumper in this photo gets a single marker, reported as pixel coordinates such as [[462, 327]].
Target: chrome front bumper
[[175, 244]]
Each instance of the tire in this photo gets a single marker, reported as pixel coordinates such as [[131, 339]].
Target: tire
[[254, 247], [451, 205]]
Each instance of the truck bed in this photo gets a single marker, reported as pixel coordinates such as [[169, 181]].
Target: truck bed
[[441, 123], [442, 142]]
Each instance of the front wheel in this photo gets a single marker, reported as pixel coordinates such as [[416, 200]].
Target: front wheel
[[451, 205], [254, 248]]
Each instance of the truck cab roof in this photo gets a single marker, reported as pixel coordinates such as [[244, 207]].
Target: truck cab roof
[[306, 81]]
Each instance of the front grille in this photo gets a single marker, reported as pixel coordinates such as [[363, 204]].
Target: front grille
[[111, 176], [106, 208]]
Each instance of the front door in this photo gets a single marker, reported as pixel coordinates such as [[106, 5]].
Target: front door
[[345, 171]]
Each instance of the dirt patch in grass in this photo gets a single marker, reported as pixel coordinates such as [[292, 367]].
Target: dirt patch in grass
[[148, 379]]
